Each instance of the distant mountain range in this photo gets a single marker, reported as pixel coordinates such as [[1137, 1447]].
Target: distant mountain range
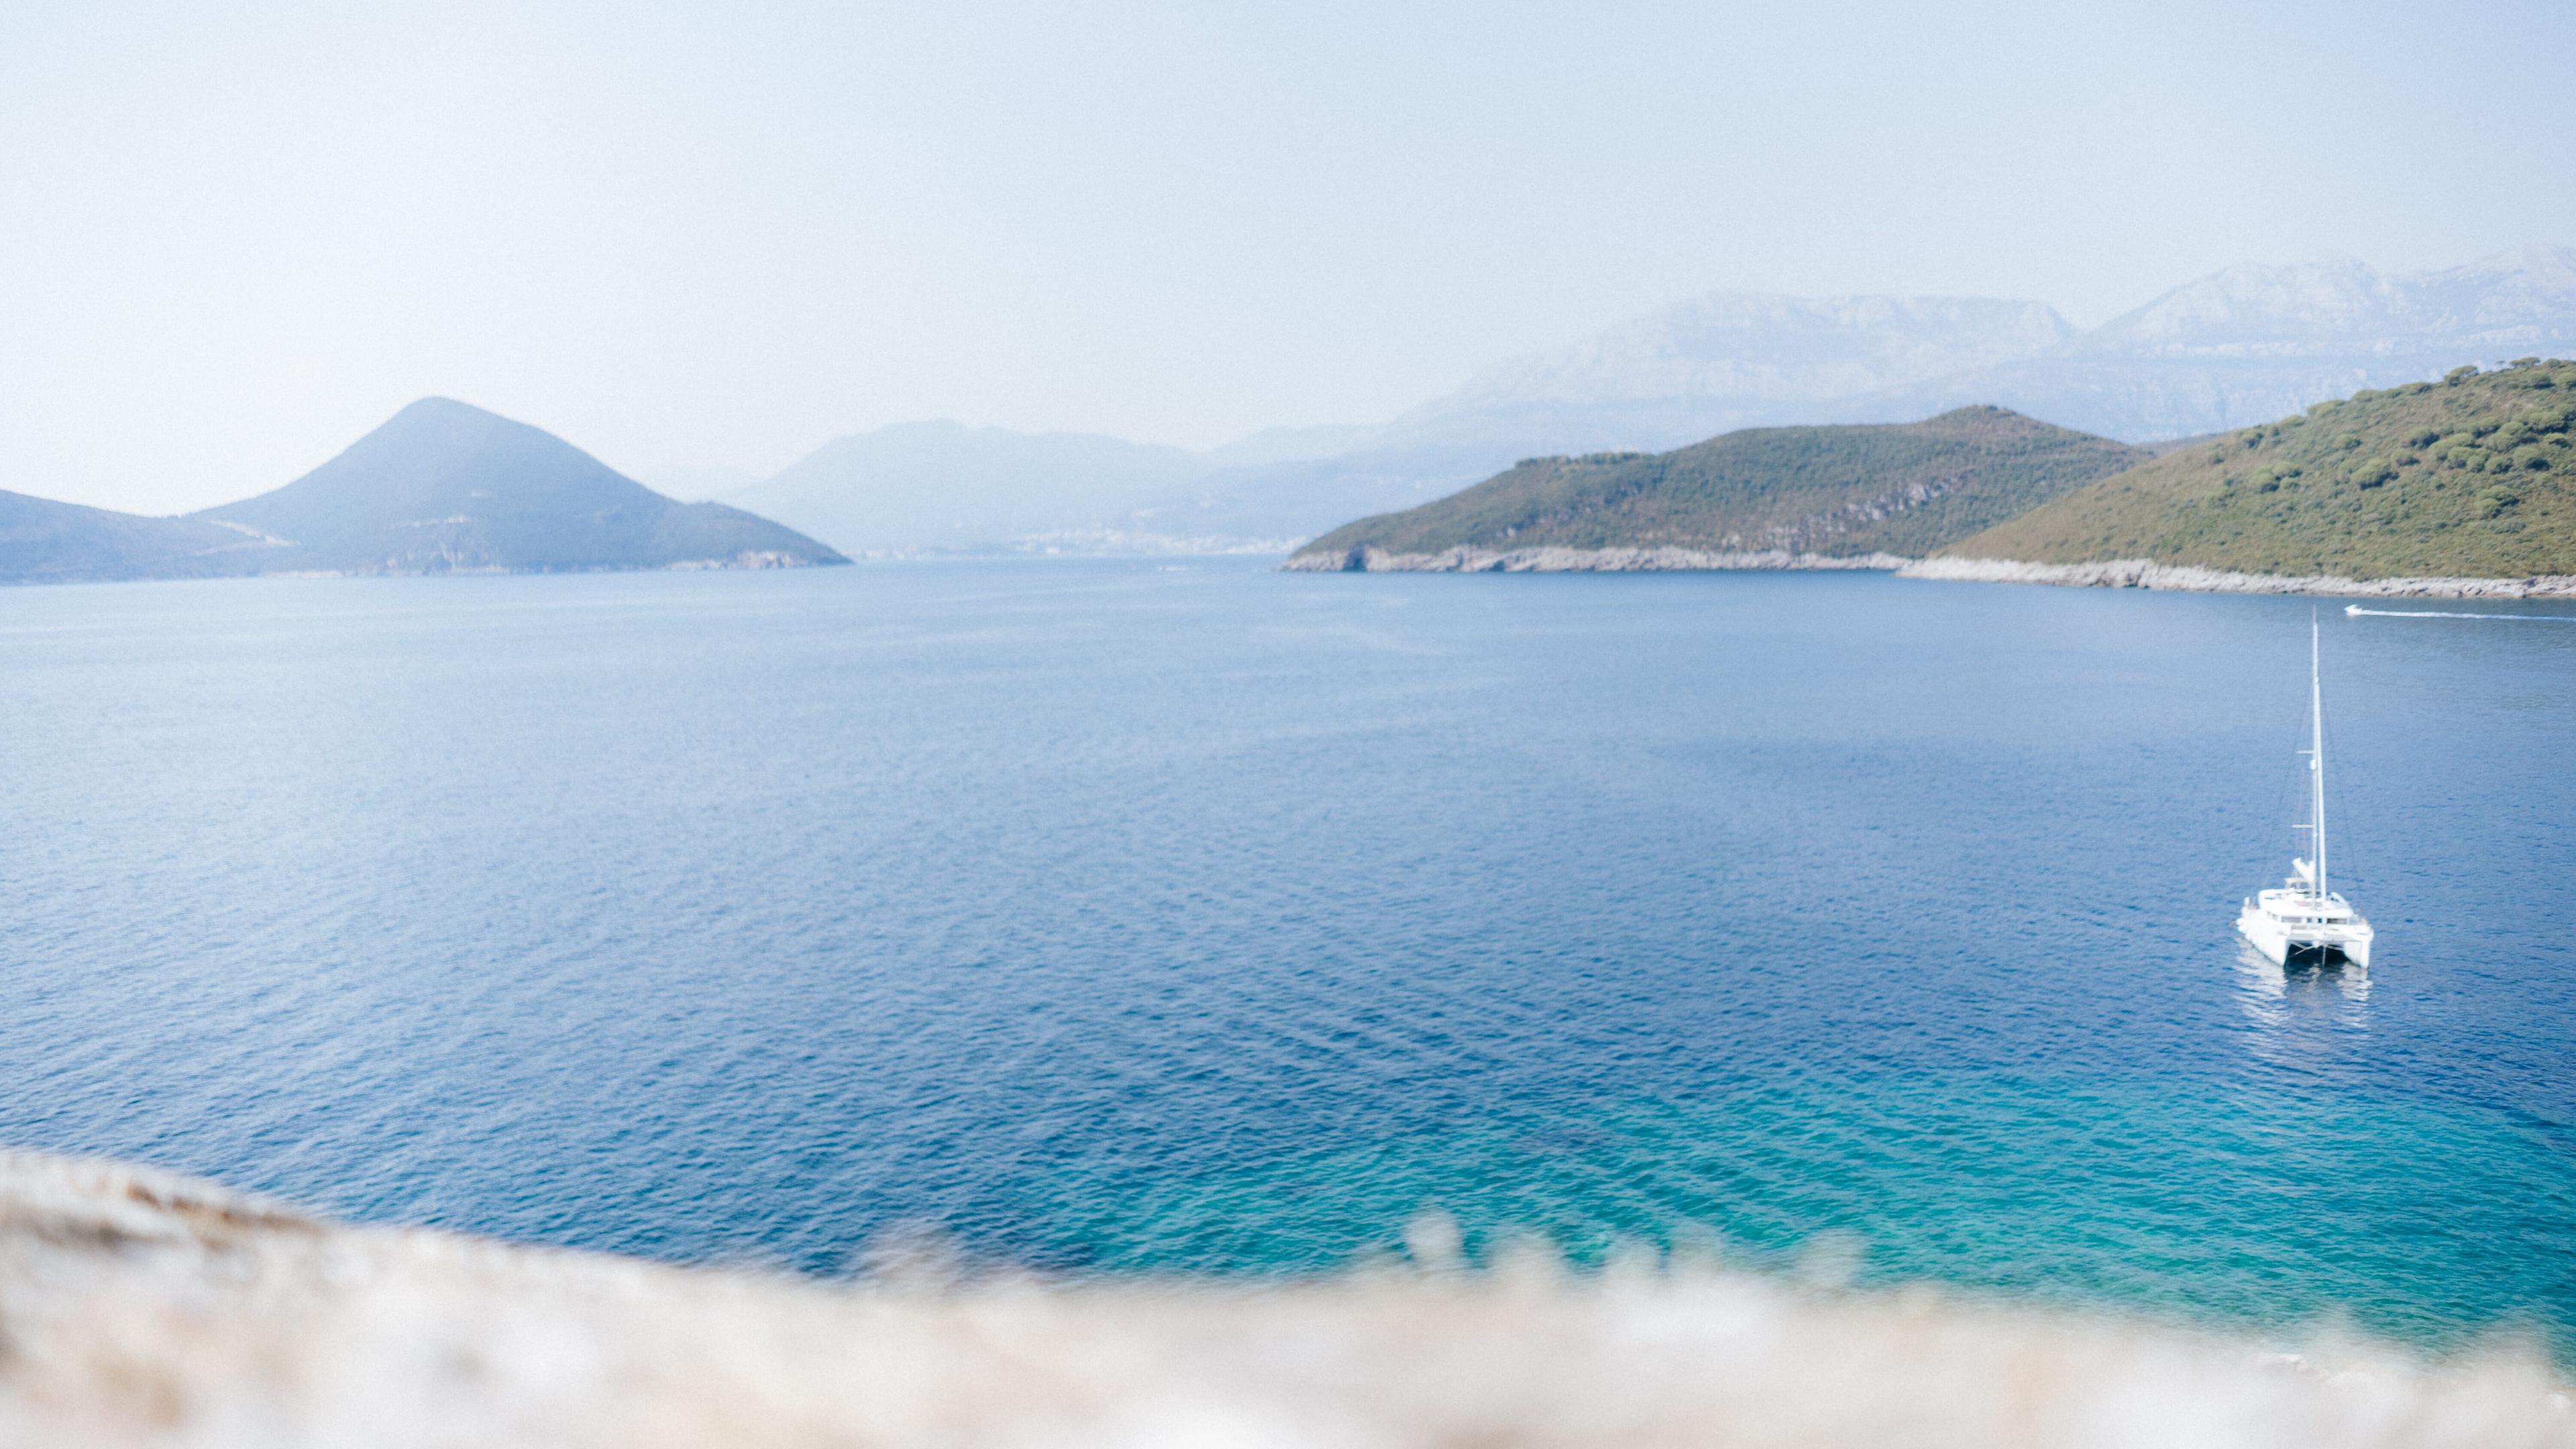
[[1732, 360], [1779, 497], [2254, 343], [442, 487], [943, 485], [2237, 347]]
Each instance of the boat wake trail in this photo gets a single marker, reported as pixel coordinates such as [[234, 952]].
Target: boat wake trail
[[2440, 614]]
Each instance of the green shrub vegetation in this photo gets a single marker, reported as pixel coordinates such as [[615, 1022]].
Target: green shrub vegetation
[[1839, 491], [2474, 478]]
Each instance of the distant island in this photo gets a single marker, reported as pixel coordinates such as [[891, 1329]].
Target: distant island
[[2466, 485], [442, 487], [1851, 496]]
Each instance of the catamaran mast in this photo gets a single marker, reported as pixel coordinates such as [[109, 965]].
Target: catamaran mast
[[2316, 755]]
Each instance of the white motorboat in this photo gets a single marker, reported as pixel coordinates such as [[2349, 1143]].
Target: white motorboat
[[2303, 922]]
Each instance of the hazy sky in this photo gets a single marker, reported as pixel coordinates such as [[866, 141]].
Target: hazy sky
[[717, 235]]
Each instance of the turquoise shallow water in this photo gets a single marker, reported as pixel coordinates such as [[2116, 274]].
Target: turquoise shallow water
[[1197, 917], [2418, 1221]]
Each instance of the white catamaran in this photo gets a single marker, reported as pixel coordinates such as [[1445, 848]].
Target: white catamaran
[[2303, 923]]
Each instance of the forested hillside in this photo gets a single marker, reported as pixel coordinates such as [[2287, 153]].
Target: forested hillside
[[1836, 491], [2471, 476]]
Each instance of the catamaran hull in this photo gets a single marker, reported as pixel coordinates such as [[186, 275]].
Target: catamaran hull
[[2285, 949]]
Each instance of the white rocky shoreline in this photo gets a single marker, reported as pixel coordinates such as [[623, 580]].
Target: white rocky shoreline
[[2138, 573], [2110, 574], [141, 1308], [1370, 559]]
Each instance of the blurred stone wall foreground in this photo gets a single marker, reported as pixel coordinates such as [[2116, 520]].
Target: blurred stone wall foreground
[[139, 1308]]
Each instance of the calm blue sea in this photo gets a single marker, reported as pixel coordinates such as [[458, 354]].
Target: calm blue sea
[[1139, 916]]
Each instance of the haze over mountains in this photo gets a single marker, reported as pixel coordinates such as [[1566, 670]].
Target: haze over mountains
[[441, 487], [926, 487], [448, 487], [2237, 347], [2253, 343], [2240, 346], [942, 485]]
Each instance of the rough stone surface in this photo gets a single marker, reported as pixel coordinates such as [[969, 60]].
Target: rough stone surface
[[140, 1308]]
